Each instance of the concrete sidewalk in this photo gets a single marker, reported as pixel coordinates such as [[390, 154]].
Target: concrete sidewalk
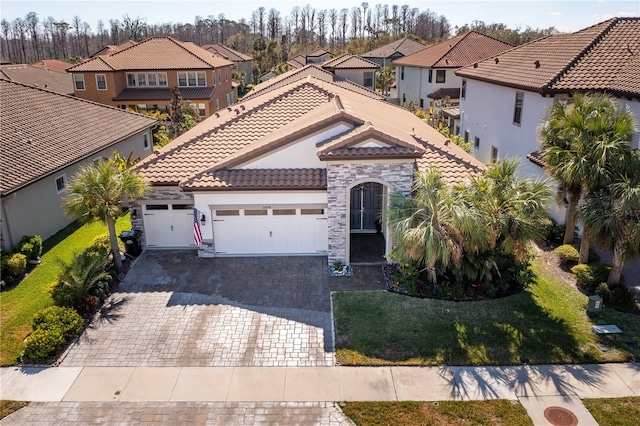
[[317, 383]]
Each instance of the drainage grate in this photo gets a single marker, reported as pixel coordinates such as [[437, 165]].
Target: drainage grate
[[559, 416]]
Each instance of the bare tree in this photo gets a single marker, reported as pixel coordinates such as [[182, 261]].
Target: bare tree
[[32, 25], [322, 27], [333, 22], [273, 24]]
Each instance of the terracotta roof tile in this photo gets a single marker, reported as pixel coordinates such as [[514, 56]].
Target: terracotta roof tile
[[226, 52], [274, 179], [317, 53], [405, 46], [154, 53], [55, 81], [459, 51], [451, 92], [347, 61], [603, 57], [110, 48], [43, 131], [53, 65], [536, 158], [298, 61], [145, 94]]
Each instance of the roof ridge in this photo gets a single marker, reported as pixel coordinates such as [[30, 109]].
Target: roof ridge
[[594, 42]]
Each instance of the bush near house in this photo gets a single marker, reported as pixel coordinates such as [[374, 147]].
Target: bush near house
[[13, 269], [52, 328], [569, 254], [30, 246], [589, 276]]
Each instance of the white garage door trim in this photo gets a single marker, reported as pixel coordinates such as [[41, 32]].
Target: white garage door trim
[[276, 229], [168, 225]]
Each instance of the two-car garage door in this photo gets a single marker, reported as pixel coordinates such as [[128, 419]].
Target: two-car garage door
[[269, 229]]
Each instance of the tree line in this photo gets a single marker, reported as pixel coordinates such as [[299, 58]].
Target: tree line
[[270, 36]]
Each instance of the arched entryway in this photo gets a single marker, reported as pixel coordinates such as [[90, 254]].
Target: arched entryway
[[367, 242]]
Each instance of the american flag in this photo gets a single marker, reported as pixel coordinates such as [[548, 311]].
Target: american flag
[[197, 234]]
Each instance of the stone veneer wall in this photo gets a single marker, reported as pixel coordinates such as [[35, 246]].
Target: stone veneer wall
[[399, 176], [156, 194]]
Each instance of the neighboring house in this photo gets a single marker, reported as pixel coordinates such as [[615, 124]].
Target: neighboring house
[[505, 98], [55, 81], [318, 56], [46, 137], [353, 68], [53, 65], [110, 48], [296, 168], [420, 75], [140, 77], [241, 62], [385, 55], [297, 61]]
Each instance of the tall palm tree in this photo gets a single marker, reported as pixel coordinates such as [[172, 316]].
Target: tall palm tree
[[613, 215], [432, 227], [582, 142], [96, 192], [514, 208]]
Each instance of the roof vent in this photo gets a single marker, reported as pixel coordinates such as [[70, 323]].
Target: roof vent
[[446, 143], [537, 64], [29, 141], [475, 65], [237, 111], [497, 61], [446, 61]]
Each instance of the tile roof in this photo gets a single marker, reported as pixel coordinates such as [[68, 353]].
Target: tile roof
[[536, 158], [459, 51], [53, 80], [110, 48], [405, 46], [453, 112], [317, 53], [306, 71], [281, 179], [53, 65], [348, 61], [274, 118], [450, 92], [226, 52], [154, 53], [162, 94], [44, 131], [298, 61], [602, 57]]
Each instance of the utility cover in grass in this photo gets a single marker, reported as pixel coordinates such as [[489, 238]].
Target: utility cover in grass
[[606, 329]]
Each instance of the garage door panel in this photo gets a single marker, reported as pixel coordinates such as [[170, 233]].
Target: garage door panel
[[166, 227]]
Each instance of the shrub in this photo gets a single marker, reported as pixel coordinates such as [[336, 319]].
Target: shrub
[[101, 245], [15, 264], [30, 246], [553, 233], [52, 327], [617, 297], [591, 275], [567, 253]]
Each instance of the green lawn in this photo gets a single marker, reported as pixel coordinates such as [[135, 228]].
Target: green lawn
[[489, 413], [547, 323], [19, 304], [614, 411]]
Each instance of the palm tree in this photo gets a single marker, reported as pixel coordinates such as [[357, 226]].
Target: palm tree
[[431, 227], [514, 208], [96, 193], [582, 142], [613, 215], [385, 78]]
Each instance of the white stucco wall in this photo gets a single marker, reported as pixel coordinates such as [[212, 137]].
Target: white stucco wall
[[36, 209], [357, 76], [416, 86]]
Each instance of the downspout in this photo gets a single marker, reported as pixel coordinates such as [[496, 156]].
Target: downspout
[[4, 218]]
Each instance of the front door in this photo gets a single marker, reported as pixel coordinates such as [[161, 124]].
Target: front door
[[366, 205]]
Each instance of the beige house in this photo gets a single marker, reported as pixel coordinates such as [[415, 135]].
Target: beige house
[[241, 62], [140, 76], [353, 68], [46, 138]]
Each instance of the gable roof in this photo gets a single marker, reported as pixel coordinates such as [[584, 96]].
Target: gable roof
[[34, 76], [154, 53], [310, 70], [297, 61], [44, 131], [53, 65], [404, 46], [226, 52], [317, 53], [110, 48], [348, 61], [459, 51], [603, 57], [201, 158]]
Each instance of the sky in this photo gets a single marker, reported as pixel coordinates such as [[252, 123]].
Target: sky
[[566, 16]]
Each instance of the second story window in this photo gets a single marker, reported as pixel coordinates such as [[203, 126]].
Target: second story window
[[430, 76], [402, 73], [101, 81], [463, 90], [517, 110], [78, 81], [142, 79], [441, 76], [368, 79], [192, 79], [147, 79]]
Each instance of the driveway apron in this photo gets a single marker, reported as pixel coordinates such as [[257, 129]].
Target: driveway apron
[[174, 309]]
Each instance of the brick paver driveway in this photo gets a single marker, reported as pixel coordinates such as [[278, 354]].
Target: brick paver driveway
[[174, 309]]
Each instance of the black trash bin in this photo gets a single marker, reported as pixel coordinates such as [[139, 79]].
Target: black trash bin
[[131, 240]]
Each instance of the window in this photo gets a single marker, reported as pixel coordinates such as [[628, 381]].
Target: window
[[368, 79], [404, 98], [78, 81], [219, 76], [284, 212], [145, 141], [494, 154], [256, 212], [430, 76], [157, 207], [147, 79], [191, 79], [312, 211], [466, 136], [162, 79], [201, 110], [227, 212], [457, 130], [517, 110], [182, 207], [101, 81], [131, 79], [228, 99], [421, 103], [152, 79], [226, 74], [476, 142], [142, 79], [61, 183], [401, 73], [463, 90], [441, 75], [217, 104]]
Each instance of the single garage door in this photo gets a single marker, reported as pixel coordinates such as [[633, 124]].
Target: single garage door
[[270, 230], [168, 225]]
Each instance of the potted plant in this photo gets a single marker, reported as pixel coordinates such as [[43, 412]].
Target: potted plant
[[338, 269]]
